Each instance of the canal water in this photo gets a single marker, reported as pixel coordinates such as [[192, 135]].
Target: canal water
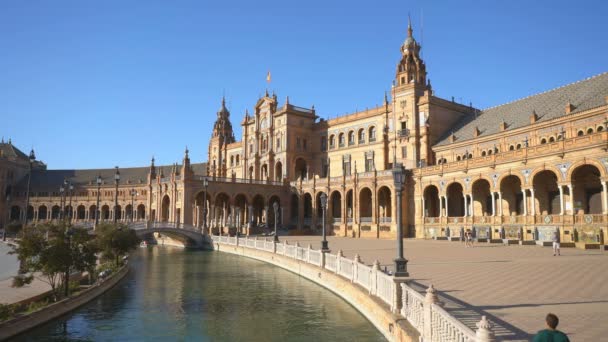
[[173, 294]]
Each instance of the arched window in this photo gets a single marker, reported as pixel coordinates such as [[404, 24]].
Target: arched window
[[237, 159], [351, 138], [470, 156], [332, 141], [483, 153], [490, 152], [341, 140], [590, 130], [457, 158], [361, 136], [580, 133], [543, 141], [600, 128], [551, 139], [372, 134]]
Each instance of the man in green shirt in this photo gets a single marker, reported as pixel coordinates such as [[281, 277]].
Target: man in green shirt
[[551, 334]]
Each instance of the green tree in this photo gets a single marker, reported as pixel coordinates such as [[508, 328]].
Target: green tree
[[48, 252], [116, 241]]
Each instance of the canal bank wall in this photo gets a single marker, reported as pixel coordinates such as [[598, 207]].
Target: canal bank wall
[[23, 323], [392, 326]]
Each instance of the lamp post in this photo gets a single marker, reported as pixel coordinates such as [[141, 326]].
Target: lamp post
[[97, 211], [324, 244], [62, 199], [70, 214], [133, 194], [400, 261], [275, 206], [205, 184], [116, 181], [27, 194], [68, 237]]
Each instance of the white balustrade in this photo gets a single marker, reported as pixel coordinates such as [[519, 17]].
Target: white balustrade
[[384, 287], [260, 244], [346, 268], [412, 306], [280, 248], [444, 327], [364, 276], [314, 257], [330, 262]]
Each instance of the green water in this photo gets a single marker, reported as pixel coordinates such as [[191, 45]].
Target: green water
[[177, 295]]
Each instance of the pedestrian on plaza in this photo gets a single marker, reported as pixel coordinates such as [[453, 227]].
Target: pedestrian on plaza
[[556, 241], [551, 334], [467, 238]]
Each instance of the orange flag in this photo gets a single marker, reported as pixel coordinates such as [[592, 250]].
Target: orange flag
[[268, 77]]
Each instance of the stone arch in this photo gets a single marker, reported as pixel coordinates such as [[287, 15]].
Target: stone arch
[[519, 176], [512, 195], [361, 136], [55, 210], [92, 212], [545, 168], [587, 189], [80, 212], [351, 137], [319, 208], [30, 213], [165, 209], [335, 205], [141, 212], [385, 202], [129, 212], [431, 201], [546, 192], [118, 212], [258, 205], [307, 206], [42, 212], [481, 190], [580, 163], [365, 205], [105, 212], [350, 212], [455, 199], [372, 133]]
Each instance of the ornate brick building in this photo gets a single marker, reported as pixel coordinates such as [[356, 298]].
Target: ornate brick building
[[518, 170]]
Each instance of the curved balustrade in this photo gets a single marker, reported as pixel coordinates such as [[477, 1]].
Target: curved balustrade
[[415, 308]]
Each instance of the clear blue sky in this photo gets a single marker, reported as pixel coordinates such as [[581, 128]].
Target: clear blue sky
[[101, 83]]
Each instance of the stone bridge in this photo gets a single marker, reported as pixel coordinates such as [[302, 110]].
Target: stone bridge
[[190, 235]]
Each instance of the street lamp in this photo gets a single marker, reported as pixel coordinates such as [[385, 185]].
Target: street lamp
[[133, 194], [324, 244], [70, 214], [68, 236], [98, 180], [400, 261], [27, 194], [62, 199], [205, 184], [275, 206], [116, 181]]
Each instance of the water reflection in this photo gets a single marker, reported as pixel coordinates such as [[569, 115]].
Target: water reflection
[[177, 295]]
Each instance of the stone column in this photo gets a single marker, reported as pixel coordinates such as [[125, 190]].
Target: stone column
[[604, 198], [493, 203], [525, 197], [533, 204], [571, 191], [466, 206], [446, 206], [561, 199], [423, 207], [440, 206], [500, 203], [471, 209]]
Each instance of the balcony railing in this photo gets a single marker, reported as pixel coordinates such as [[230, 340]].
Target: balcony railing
[[403, 133]]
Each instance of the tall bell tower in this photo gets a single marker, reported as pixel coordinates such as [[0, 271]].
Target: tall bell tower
[[408, 88], [220, 138]]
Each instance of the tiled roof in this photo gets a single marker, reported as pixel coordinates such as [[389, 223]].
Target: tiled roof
[[51, 180], [583, 95], [8, 150]]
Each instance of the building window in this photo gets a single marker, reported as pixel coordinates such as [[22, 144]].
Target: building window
[[278, 144], [332, 141], [351, 138], [361, 136], [404, 152], [369, 161], [372, 134], [324, 168], [341, 139]]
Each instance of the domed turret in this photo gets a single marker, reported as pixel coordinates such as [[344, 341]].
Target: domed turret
[[411, 69]]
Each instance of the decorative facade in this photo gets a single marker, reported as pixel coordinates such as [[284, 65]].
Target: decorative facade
[[516, 171]]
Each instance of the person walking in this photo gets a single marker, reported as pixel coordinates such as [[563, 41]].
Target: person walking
[[551, 334], [556, 240]]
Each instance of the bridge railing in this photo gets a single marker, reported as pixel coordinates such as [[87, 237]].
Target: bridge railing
[[423, 312], [160, 224]]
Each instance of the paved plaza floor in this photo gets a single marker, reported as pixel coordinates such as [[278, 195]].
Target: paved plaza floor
[[515, 286]]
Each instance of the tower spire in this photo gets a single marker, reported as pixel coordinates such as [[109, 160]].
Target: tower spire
[[409, 25]]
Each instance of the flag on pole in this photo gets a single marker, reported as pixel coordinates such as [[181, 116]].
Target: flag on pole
[[268, 78]]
